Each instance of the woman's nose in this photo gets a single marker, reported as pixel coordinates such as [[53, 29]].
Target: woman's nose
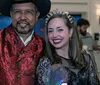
[[55, 34]]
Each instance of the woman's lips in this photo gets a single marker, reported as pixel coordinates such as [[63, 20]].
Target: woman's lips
[[56, 41]]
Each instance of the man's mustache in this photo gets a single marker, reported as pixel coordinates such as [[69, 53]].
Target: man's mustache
[[22, 21]]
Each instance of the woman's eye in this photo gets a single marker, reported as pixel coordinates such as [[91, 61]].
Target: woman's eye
[[60, 29], [50, 31]]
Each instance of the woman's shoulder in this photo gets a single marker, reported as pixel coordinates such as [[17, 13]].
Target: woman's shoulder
[[44, 64], [44, 61], [43, 70], [88, 59]]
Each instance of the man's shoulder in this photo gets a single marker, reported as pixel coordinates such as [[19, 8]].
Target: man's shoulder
[[3, 29], [88, 34], [38, 36]]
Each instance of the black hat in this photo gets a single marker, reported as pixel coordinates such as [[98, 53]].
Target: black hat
[[42, 5]]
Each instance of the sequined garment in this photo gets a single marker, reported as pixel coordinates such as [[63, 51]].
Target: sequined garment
[[18, 62], [66, 73]]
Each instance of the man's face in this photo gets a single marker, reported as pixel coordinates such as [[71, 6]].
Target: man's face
[[24, 16], [83, 29]]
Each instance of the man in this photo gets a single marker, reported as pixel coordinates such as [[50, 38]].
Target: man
[[20, 47], [87, 40]]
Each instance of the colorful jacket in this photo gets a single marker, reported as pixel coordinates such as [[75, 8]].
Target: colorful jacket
[[18, 62]]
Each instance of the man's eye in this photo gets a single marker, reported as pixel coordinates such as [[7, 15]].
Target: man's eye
[[16, 11], [30, 12]]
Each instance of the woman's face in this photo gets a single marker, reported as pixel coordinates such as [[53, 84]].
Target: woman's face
[[58, 33]]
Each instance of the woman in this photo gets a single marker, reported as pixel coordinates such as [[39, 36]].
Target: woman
[[64, 63]]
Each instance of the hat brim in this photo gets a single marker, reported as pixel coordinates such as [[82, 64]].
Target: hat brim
[[43, 7]]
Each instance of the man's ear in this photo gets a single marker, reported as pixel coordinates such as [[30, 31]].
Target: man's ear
[[11, 13]]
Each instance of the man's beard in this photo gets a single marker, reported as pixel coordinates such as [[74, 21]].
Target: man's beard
[[21, 30], [83, 33]]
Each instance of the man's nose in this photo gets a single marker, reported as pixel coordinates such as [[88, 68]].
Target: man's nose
[[22, 15]]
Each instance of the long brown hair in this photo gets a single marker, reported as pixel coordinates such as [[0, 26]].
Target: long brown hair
[[74, 51]]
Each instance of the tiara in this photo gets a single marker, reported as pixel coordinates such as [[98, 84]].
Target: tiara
[[58, 11]]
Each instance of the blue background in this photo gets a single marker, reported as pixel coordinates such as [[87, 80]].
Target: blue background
[[38, 28]]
